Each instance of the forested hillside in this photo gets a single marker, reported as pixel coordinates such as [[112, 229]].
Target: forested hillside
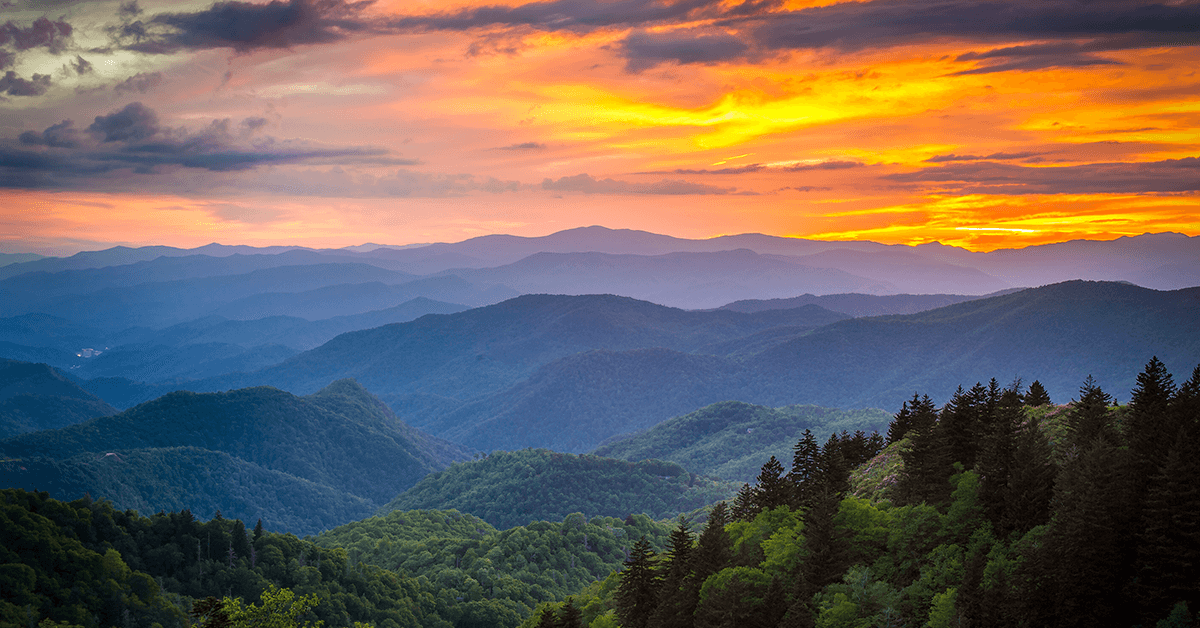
[[507, 489], [515, 569], [992, 519], [731, 439], [339, 447], [36, 397], [996, 509], [85, 563]]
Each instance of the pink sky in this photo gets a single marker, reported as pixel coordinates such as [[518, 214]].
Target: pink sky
[[327, 123]]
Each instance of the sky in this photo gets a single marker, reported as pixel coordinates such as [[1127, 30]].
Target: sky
[[979, 123]]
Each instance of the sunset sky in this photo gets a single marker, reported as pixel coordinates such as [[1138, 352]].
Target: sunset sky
[[982, 124]]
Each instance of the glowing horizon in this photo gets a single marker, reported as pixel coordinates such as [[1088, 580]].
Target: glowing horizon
[[326, 123]]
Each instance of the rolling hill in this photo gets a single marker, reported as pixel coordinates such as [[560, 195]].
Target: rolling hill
[[36, 397], [340, 438], [732, 440], [508, 489]]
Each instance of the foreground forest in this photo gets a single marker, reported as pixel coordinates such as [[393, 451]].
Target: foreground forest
[[998, 509]]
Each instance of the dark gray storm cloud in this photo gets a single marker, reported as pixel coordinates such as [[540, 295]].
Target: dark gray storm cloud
[[13, 85], [135, 122], [133, 140], [1075, 32], [61, 135], [246, 26], [643, 50], [1172, 175], [42, 33]]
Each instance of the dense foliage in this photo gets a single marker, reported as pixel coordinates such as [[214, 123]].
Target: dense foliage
[[340, 451], [88, 564], [731, 439], [519, 568], [994, 519], [507, 489], [189, 478]]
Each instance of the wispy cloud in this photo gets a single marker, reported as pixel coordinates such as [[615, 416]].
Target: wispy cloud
[[1166, 176], [588, 184]]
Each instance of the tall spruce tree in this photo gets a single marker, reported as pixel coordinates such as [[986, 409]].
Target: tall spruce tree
[[772, 488], [1031, 480], [1089, 420], [805, 469], [568, 616], [1150, 426], [675, 606], [637, 593], [1037, 395], [997, 453], [1094, 521]]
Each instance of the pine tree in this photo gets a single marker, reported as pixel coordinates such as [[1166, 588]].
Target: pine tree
[[833, 474], [1037, 395], [902, 421], [713, 550], [773, 490], [1094, 519], [1168, 564], [675, 607], [745, 504], [1030, 481], [258, 530], [1150, 426], [546, 619], [927, 467], [568, 616], [805, 468], [637, 593], [996, 455], [1088, 419], [961, 423]]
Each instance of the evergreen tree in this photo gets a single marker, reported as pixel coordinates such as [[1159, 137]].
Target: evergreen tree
[[675, 606], [713, 551], [1088, 419], [805, 469], [902, 421], [1037, 395], [745, 504], [927, 467], [773, 489], [568, 616], [833, 474], [1150, 427], [546, 619], [1168, 562], [637, 593], [1030, 481], [1094, 520], [961, 423], [996, 455]]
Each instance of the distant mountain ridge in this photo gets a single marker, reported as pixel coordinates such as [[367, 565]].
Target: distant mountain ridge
[[568, 372], [857, 305]]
